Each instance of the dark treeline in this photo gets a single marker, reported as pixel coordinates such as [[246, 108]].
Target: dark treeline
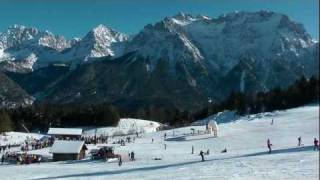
[[302, 92], [41, 116]]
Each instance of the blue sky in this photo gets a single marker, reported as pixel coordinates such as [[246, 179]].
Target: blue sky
[[74, 18]]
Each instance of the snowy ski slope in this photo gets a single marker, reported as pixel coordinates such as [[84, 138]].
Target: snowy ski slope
[[246, 158]]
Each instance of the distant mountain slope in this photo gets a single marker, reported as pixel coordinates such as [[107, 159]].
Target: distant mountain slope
[[11, 94], [38, 81], [126, 82], [181, 61]]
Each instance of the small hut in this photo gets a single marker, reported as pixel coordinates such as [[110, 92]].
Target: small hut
[[212, 127], [68, 150], [65, 133]]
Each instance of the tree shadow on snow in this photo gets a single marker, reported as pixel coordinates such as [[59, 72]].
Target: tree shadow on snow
[[103, 173], [83, 161], [184, 138], [280, 151]]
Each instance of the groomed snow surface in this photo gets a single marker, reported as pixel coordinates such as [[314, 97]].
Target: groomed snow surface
[[245, 140]]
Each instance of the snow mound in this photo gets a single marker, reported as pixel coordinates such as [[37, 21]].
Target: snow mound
[[125, 126], [221, 117]]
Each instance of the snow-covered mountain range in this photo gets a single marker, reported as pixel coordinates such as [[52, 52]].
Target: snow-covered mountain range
[[224, 40], [26, 49], [198, 55], [221, 41]]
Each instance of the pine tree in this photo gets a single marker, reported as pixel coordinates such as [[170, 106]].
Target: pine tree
[[5, 122]]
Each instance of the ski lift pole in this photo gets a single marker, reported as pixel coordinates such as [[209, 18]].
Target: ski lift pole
[[135, 124], [209, 104], [25, 128]]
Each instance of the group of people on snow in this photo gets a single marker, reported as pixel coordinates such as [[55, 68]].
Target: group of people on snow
[[20, 158], [4, 148], [315, 144], [102, 139]]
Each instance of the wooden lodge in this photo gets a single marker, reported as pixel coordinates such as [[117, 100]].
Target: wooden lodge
[[68, 150], [65, 133]]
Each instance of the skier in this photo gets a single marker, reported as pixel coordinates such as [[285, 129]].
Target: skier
[[269, 146], [120, 161], [152, 140], [272, 121], [132, 156], [165, 135], [192, 150], [316, 145], [2, 159], [299, 141], [202, 155]]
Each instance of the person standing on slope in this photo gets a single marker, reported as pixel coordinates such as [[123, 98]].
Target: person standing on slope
[[120, 161], [269, 146], [2, 159], [202, 155], [299, 141], [132, 156], [316, 145]]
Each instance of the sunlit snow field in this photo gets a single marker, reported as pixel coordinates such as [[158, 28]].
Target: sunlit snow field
[[245, 140]]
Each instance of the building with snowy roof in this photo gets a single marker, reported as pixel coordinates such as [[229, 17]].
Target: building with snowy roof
[[65, 133], [68, 150]]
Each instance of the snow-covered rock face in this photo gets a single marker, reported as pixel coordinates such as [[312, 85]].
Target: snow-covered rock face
[[166, 40], [222, 41], [20, 35], [215, 43], [18, 43], [22, 47], [99, 42]]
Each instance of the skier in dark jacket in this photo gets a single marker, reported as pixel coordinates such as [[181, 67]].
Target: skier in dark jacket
[[299, 141], [132, 156], [2, 159], [120, 161], [269, 145], [316, 145], [202, 155]]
